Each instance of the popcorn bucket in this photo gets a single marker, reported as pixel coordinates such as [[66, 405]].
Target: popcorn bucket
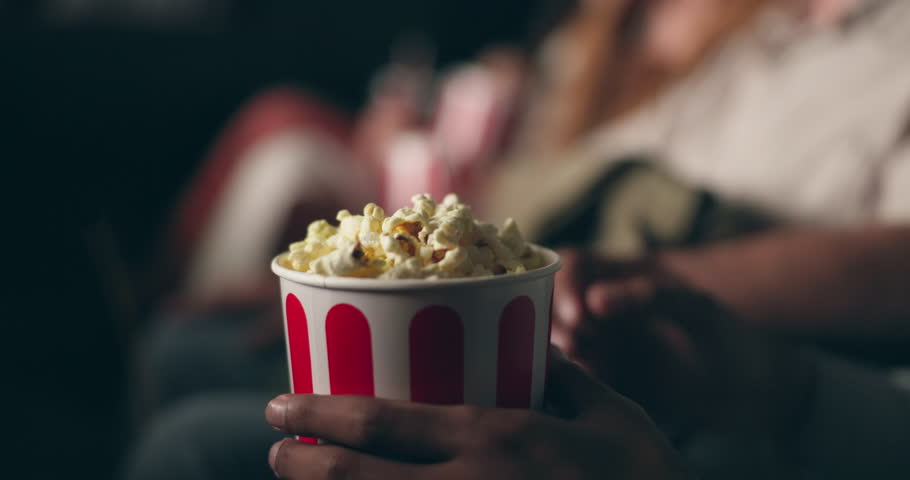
[[480, 341]]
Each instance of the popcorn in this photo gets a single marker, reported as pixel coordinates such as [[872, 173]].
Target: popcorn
[[425, 240]]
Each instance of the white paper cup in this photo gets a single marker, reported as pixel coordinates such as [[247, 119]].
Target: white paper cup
[[480, 341]]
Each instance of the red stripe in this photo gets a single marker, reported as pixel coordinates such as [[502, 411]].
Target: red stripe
[[516, 354], [299, 351], [350, 351], [436, 340], [299, 346]]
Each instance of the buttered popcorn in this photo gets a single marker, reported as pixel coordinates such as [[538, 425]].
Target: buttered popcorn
[[425, 240]]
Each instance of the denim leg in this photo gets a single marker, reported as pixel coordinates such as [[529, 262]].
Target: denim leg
[[180, 358], [211, 436]]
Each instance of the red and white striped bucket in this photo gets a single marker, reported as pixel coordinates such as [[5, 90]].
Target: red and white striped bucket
[[480, 341]]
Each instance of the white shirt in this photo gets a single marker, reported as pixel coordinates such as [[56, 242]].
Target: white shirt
[[809, 123]]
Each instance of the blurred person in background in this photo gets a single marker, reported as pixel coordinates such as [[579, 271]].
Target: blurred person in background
[[759, 153], [752, 152]]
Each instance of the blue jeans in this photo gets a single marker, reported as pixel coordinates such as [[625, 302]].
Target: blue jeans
[[211, 436], [202, 392]]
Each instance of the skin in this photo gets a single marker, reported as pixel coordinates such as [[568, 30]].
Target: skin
[[690, 362], [598, 433], [839, 282], [845, 283], [730, 356]]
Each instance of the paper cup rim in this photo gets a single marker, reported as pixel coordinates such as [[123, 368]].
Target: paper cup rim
[[553, 264]]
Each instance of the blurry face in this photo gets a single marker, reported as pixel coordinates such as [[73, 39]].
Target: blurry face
[[824, 12], [676, 28]]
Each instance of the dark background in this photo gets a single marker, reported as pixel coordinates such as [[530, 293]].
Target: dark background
[[106, 114]]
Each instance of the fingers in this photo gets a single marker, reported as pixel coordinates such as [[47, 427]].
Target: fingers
[[379, 426], [622, 284], [572, 390], [293, 460], [603, 299]]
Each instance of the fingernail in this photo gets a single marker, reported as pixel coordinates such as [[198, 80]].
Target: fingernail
[[273, 455], [276, 411]]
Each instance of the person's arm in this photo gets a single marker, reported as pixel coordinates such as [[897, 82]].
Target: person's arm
[[850, 282]]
